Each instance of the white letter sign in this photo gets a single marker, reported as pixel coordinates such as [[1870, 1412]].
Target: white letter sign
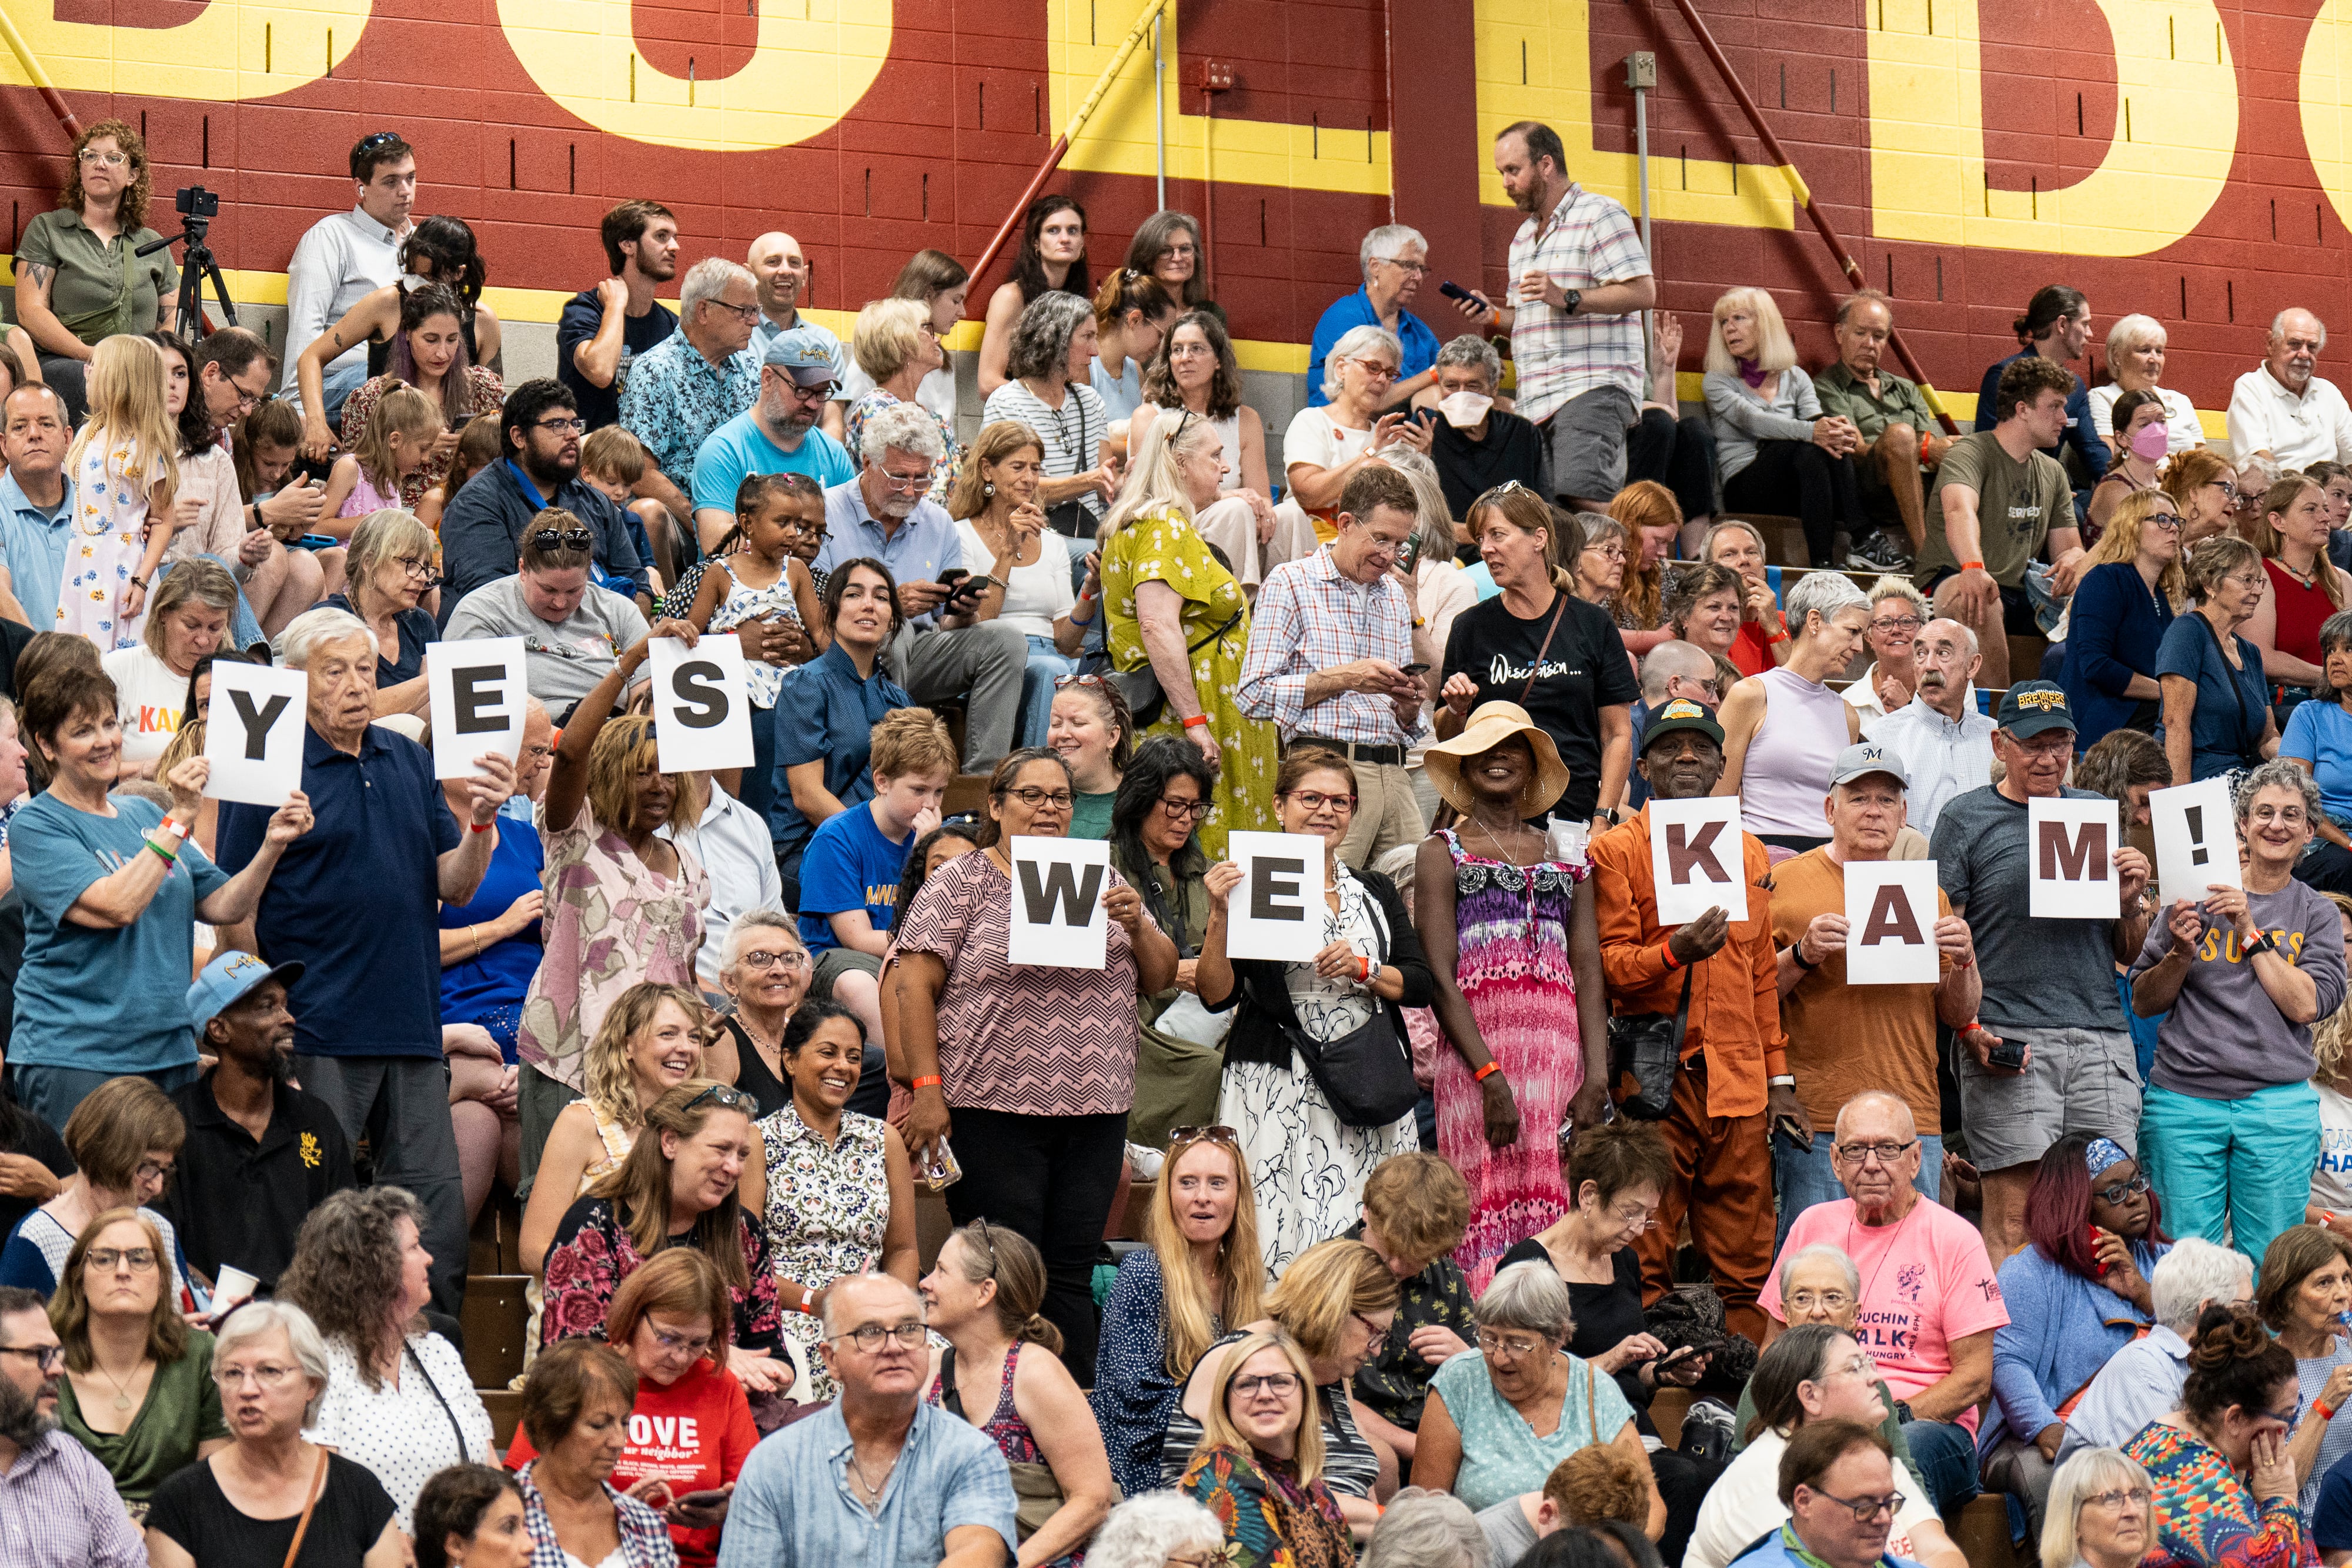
[[1277, 910], [2195, 839], [254, 742], [477, 689], [2072, 847], [1058, 918], [1890, 915], [1696, 858], [702, 704]]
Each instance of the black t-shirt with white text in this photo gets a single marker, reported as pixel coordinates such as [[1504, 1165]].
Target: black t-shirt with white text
[[1584, 670]]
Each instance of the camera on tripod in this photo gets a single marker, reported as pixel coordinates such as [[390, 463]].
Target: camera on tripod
[[196, 201], [197, 207]]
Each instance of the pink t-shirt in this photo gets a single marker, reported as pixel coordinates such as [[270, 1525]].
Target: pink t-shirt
[[1925, 1282]]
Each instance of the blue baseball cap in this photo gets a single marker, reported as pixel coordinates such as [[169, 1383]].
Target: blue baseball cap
[[801, 355], [229, 979], [2031, 707]]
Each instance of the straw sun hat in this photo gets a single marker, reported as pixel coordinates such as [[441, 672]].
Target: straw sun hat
[[1490, 724]]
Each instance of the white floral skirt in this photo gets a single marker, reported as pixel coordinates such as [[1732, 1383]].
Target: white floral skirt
[[1307, 1168]]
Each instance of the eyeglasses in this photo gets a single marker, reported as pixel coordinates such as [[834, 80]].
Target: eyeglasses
[[1219, 1134], [1410, 268], [1634, 1214], [765, 959], [1193, 810], [48, 1357], [1180, 251], [1380, 1335], [375, 140], [1831, 1301], [2246, 579], [1865, 1509], [868, 1337], [1884, 1154], [2164, 520], [799, 393], [415, 564], [1031, 795], [1282, 1385], [2138, 1496], [105, 1259], [269, 1374], [563, 539], [1854, 1365], [2287, 1418], [561, 426], [1510, 1344], [1896, 624], [902, 481], [694, 1346], [111, 160], [2291, 815], [726, 1099], [1315, 800], [740, 312], [1062, 681], [1617, 552], [980, 1229], [154, 1170], [249, 398]]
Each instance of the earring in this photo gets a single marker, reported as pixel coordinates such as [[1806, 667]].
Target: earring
[[988, 489]]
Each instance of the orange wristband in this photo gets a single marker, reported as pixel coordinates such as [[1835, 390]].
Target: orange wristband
[[1486, 1071], [929, 1080], [1667, 947], [1972, 566]]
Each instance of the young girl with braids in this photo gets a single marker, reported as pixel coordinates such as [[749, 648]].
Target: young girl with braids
[[2224, 1484], [124, 480]]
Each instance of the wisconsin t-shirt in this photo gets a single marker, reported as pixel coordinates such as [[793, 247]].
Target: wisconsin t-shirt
[[1584, 670], [849, 864], [2017, 504]]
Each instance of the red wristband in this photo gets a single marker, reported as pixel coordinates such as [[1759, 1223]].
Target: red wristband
[[2325, 1412], [1972, 566], [929, 1080], [480, 827], [1364, 969], [1486, 1071], [1196, 721], [1672, 963]]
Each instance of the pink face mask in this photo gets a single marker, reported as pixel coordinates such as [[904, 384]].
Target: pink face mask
[[2150, 442]]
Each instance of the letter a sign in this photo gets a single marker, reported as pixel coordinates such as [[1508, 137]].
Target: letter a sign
[[1890, 913], [2072, 847], [1697, 859], [1058, 919]]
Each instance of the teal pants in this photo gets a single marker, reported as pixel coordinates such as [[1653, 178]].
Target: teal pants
[[2250, 1159]]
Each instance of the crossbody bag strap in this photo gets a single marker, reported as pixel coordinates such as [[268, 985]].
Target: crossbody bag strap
[[310, 1506], [417, 1361], [1682, 1009], [1558, 611]]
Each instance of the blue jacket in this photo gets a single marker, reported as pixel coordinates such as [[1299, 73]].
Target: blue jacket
[[481, 533], [2111, 635], [2062, 1329], [1133, 1395]]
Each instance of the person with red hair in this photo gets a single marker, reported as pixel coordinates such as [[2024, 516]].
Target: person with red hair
[[2077, 1293]]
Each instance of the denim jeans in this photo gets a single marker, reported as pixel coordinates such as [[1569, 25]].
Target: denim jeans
[[52, 1092], [1945, 1455], [1045, 662], [1804, 1177]]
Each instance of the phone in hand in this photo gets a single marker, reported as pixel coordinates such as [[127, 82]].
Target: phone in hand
[[2091, 1235], [1675, 1358], [1418, 667], [700, 1499], [970, 589], [2009, 1056], [1453, 290]]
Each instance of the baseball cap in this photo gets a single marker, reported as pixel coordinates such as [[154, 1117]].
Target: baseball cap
[[801, 355], [1681, 714], [2032, 706], [227, 980], [1868, 757]]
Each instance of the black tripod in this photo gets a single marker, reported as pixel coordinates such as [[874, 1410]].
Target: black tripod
[[197, 207]]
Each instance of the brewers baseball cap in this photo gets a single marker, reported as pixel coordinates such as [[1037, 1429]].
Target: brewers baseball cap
[[801, 355], [229, 979], [2032, 706], [1681, 714], [1868, 757]]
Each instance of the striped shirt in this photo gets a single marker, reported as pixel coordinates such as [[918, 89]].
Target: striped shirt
[[1588, 241], [1310, 618], [59, 1509]]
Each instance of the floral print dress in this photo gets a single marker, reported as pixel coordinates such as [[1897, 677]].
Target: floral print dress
[[112, 481], [592, 1253], [1271, 1520], [828, 1210], [1162, 546], [2205, 1515]]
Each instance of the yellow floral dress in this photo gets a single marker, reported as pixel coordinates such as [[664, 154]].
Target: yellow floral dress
[[1162, 546]]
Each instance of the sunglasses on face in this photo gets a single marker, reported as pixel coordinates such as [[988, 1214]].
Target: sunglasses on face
[[563, 539]]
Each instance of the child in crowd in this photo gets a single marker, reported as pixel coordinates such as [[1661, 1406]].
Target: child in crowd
[[124, 479], [266, 443], [852, 868], [612, 460], [478, 448], [398, 439]]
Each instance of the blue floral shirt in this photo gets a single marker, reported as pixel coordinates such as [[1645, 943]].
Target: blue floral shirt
[[675, 398]]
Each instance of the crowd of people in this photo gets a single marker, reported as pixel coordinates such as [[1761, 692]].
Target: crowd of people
[[1518, 1224]]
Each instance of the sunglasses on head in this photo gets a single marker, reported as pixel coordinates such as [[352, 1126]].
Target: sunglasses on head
[[563, 539], [1216, 1135]]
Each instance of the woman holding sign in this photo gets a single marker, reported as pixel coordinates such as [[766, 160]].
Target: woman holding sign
[[1308, 1166], [1031, 1066], [101, 944], [2245, 974], [623, 905]]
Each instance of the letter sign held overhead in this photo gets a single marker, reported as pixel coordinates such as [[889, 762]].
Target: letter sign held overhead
[[1698, 858], [478, 691], [702, 704], [255, 741], [1058, 918], [2073, 852]]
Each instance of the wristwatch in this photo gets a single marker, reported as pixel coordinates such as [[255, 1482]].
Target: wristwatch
[[1571, 299]]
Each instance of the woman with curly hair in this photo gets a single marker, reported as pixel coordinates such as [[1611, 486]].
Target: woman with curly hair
[[2224, 1484], [78, 276], [398, 1400]]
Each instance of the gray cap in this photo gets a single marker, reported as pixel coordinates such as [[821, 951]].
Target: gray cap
[[1869, 757]]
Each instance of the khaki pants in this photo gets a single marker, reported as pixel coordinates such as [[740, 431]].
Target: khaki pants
[[1387, 814]]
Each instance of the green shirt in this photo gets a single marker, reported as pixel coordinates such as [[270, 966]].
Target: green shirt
[[1090, 815], [2017, 506], [183, 1409], [1898, 402], [89, 271]]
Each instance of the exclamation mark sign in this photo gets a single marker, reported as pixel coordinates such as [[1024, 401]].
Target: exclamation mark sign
[[2195, 815]]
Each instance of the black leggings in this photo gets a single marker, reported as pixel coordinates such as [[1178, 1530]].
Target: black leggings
[[1798, 478], [1676, 453], [1051, 1179]]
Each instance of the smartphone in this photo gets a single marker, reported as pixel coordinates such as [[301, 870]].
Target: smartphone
[[1418, 667], [1453, 290], [952, 576], [2091, 1235], [971, 588], [2008, 1055], [700, 1499], [1675, 1358]]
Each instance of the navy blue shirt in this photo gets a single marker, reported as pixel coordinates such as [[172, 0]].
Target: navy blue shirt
[[417, 632], [2227, 726], [825, 712], [481, 533], [583, 314], [2331, 1521], [356, 900], [2094, 451], [2111, 635]]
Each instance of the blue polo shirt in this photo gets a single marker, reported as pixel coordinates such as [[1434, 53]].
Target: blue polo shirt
[[849, 864], [1356, 311], [356, 900], [921, 547], [825, 712], [33, 543], [739, 448]]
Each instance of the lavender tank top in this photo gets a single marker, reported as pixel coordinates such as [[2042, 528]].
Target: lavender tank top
[[1787, 773]]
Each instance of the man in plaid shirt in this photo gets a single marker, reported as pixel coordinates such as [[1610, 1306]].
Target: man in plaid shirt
[[1330, 641], [1579, 283]]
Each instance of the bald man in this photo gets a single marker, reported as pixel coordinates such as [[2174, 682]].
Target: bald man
[[2281, 408], [783, 275]]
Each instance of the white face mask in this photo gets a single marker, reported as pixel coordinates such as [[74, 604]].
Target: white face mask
[[1464, 408]]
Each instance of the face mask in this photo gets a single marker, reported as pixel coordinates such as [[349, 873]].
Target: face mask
[[1464, 408], [2150, 443]]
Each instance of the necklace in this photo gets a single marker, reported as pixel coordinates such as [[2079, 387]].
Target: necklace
[[1893, 1237], [872, 1490], [121, 1390], [1505, 850]]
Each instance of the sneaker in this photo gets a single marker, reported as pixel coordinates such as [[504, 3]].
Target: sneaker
[[1881, 552]]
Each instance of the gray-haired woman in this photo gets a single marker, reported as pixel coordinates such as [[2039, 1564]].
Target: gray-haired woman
[[765, 967], [1783, 729], [2241, 977], [388, 572], [1426, 1529], [188, 620], [1052, 353], [1159, 1530], [1479, 1431], [244, 1504], [1323, 447]]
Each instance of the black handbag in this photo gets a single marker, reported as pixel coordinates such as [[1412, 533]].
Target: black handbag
[[1140, 686], [1366, 1073], [1649, 1047]]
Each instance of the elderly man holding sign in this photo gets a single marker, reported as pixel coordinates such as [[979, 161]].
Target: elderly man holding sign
[[356, 902], [1845, 1039], [2232, 1119], [1034, 1066], [1699, 983]]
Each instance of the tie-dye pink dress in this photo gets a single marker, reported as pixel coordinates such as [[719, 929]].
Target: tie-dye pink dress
[[1513, 968], [112, 480]]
